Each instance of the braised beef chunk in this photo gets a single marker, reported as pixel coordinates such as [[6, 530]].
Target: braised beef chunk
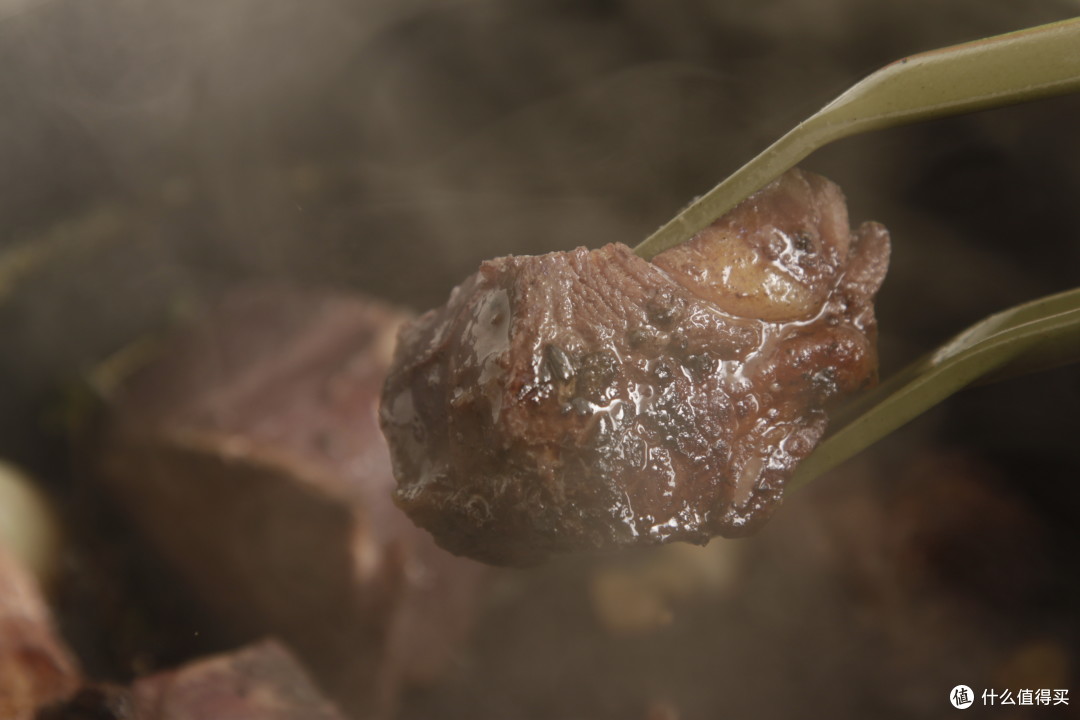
[[592, 399], [258, 682], [248, 456]]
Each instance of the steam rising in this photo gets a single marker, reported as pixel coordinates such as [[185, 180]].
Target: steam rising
[[388, 145]]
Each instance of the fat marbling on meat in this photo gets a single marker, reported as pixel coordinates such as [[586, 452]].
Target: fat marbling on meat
[[591, 399]]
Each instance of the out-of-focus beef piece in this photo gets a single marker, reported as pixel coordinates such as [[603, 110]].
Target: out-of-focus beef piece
[[262, 682], [35, 667], [249, 455], [591, 399], [259, 682]]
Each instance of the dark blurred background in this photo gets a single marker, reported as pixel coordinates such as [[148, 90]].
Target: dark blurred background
[[152, 154]]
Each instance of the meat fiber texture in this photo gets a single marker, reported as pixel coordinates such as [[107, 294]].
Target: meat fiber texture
[[593, 400], [249, 456], [35, 666], [259, 682]]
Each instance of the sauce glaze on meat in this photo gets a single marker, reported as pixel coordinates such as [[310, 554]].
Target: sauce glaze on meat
[[592, 400]]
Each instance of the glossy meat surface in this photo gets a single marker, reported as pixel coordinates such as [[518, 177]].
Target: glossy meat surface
[[593, 400]]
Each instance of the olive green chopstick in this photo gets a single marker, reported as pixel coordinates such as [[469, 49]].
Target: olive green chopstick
[[1027, 338], [993, 72]]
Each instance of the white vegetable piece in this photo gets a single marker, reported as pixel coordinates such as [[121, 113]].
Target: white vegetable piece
[[29, 527]]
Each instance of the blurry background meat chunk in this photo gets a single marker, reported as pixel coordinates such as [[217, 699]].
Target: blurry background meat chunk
[[258, 682], [247, 454], [36, 667]]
